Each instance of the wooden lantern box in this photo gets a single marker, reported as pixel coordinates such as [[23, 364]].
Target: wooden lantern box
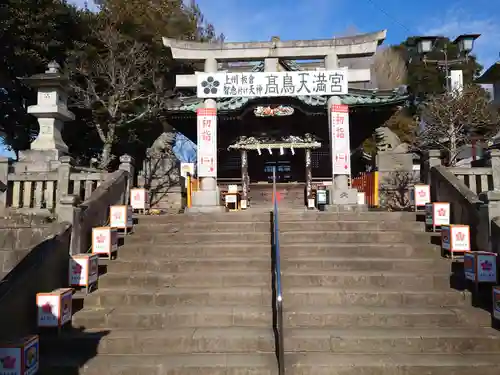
[[20, 357], [121, 217], [455, 239], [105, 242], [420, 195], [54, 308], [437, 214], [495, 311], [139, 199], [480, 267], [84, 271]]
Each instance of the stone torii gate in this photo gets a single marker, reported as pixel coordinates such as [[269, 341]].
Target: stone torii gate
[[331, 50]]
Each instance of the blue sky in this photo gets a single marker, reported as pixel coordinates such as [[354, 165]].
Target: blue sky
[[257, 20], [244, 20]]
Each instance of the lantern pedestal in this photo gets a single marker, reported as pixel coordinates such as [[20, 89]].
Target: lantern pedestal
[[54, 308], [84, 271], [20, 357], [105, 242], [455, 239], [121, 218], [437, 214]]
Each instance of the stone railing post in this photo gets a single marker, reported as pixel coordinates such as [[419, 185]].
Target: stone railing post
[[4, 174], [431, 159], [65, 208], [63, 176], [495, 168], [127, 165], [489, 209]]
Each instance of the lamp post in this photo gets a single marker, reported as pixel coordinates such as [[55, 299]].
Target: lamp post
[[465, 43]]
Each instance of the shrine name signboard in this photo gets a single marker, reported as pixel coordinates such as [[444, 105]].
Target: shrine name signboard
[[270, 84]]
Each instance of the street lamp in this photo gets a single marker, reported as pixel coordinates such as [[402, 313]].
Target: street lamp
[[465, 43]]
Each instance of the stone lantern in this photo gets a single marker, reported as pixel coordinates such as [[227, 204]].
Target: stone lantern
[[52, 111]]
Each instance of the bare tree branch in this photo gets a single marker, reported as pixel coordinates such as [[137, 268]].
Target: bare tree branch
[[395, 190], [449, 120], [389, 68], [115, 82]]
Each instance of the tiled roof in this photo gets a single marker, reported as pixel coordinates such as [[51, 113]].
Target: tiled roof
[[355, 97]]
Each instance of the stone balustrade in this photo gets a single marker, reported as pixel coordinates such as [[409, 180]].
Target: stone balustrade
[[477, 179], [41, 191], [474, 195]]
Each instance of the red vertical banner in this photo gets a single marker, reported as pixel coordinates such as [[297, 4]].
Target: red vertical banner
[[207, 142], [341, 148]]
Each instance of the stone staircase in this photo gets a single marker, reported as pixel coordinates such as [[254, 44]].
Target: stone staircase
[[369, 294], [364, 294], [292, 195], [187, 295]]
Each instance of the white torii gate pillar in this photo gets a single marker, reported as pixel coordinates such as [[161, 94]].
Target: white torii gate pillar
[[340, 193], [208, 197]]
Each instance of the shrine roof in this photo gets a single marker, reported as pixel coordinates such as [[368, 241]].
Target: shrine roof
[[356, 97], [492, 75]]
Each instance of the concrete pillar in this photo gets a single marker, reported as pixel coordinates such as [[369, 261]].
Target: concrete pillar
[[340, 193], [244, 176], [339, 181], [271, 64], [207, 199], [4, 181], [308, 176], [495, 167], [210, 183]]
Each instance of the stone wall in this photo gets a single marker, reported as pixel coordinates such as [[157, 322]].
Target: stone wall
[[396, 176], [44, 265], [18, 235], [43, 269]]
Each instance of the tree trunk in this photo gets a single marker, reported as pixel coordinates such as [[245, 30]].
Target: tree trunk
[[105, 156], [453, 144]]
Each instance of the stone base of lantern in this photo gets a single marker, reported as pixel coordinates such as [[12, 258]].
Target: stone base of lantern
[[38, 161], [206, 201]]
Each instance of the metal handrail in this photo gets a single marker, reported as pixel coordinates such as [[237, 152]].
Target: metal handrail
[[277, 292]]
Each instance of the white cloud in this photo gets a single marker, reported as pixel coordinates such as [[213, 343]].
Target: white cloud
[[459, 21]]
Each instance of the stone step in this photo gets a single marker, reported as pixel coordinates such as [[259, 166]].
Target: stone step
[[347, 216], [167, 250], [183, 237], [203, 226], [263, 215], [383, 317], [126, 263], [364, 264], [241, 216], [327, 296], [187, 279], [158, 341], [321, 363], [222, 264], [396, 340], [340, 225], [404, 281], [133, 317], [141, 297], [263, 226], [178, 364], [302, 248], [358, 237]]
